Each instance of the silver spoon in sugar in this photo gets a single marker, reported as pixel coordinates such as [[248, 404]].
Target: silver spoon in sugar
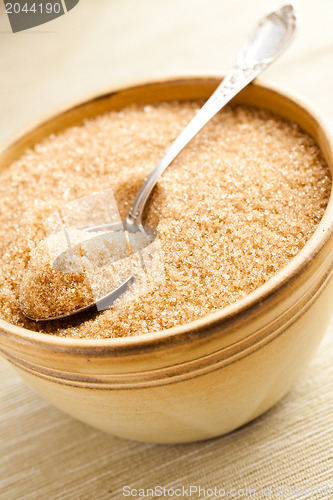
[[269, 39]]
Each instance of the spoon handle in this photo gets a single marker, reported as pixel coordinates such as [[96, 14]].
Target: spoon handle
[[271, 36]]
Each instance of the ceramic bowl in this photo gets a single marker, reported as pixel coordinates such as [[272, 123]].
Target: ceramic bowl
[[208, 377]]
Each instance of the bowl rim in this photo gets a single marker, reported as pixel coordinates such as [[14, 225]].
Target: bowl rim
[[242, 306]]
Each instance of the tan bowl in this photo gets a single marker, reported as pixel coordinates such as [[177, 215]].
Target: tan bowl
[[205, 378]]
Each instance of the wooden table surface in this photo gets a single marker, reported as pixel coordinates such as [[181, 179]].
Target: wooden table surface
[[44, 453]]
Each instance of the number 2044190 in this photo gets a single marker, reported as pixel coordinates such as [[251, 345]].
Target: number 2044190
[[35, 8]]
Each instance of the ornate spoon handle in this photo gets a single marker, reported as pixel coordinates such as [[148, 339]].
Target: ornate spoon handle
[[270, 38]]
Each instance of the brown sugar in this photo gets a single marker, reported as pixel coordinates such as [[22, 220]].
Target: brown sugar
[[47, 292], [231, 211], [73, 269]]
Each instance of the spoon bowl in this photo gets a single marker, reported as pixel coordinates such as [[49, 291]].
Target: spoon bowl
[[269, 39]]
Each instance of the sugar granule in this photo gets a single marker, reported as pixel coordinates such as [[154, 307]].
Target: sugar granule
[[232, 210]]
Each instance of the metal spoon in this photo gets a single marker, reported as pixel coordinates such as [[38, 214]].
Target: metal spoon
[[270, 38]]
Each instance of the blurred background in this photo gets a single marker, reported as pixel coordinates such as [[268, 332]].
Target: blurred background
[[101, 44]]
